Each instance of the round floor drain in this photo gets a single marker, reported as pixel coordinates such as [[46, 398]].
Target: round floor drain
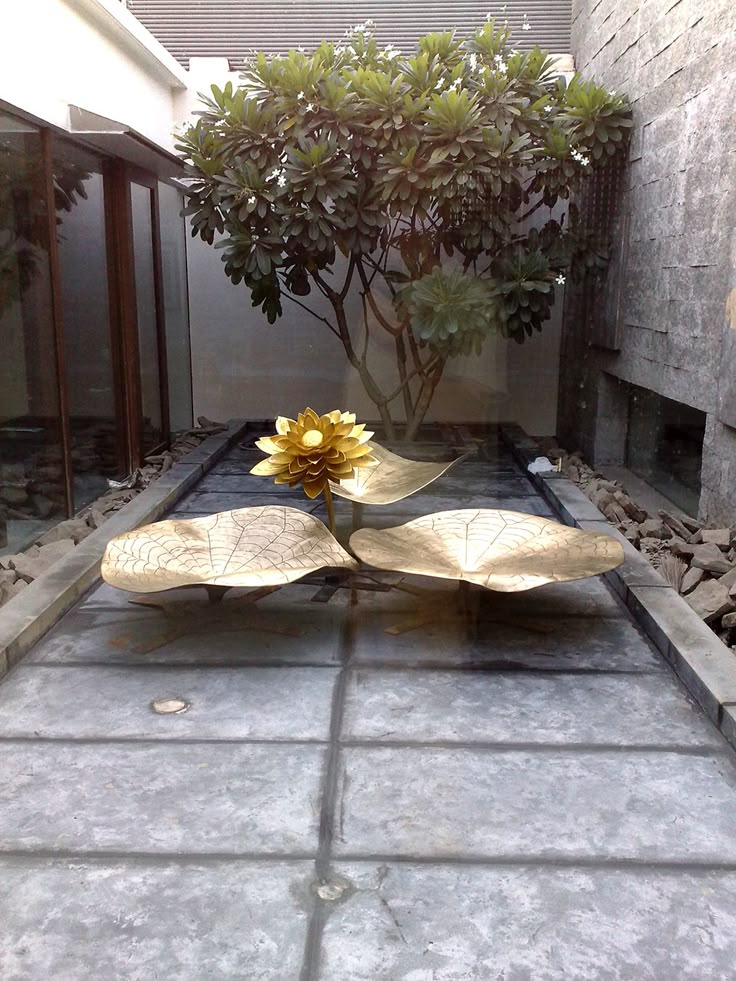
[[169, 706]]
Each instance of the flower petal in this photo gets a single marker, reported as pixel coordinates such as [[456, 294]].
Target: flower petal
[[361, 450], [313, 488], [266, 468], [267, 444]]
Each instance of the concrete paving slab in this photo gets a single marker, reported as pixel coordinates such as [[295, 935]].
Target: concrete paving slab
[[125, 920], [429, 503], [449, 923], [651, 806], [589, 598], [212, 503], [559, 755], [159, 799], [245, 483], [698, 656], [551, 628], [452, 706], [541, 644], [728, 723], [570, 501], [240, 463], [463, 480], [115, 702], [286, 627]]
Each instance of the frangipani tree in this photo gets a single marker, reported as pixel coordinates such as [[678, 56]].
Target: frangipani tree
[[357, 169]]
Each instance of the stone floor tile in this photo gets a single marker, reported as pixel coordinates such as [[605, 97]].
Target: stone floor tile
[[239, 483], [540, 632], [463, 481], [185, 922], [420, 923], [285, 627], [158, 799], [585, 597], [226, 703], [423, 503], [212, 503], [459, 706], [653, 806]]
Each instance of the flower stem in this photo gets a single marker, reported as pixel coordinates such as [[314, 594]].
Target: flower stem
[[330, 509]]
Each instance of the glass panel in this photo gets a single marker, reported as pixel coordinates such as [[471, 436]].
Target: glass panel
[[665, 446], [176, 307], [145, 296], [80, 218], [32, 495]]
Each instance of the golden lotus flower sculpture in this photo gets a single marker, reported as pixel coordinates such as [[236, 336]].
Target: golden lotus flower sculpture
[[391, 479], [262, 546], [313, 450], [501, 550]]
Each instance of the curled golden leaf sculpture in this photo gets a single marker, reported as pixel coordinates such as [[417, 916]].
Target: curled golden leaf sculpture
[[261, 546], [501, 550], [391, 479]]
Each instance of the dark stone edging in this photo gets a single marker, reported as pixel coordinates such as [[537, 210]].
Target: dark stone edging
[[706, 667], [30, 614]]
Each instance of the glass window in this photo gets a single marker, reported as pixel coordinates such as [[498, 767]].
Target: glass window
[[665, 446], [145, 297], [32, 489], [176, 307], [96, 451]]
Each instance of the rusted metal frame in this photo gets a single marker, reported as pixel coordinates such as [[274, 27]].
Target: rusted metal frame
[[145, 179], [56, 321], [120, 238], [158, 283], [115, 304]]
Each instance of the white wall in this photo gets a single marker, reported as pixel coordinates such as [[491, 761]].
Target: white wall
[[88, 53], [243, 366]]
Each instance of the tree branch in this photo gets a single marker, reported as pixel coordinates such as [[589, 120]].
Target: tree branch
[[430, 366], [372, 302], [348, 278], [304, 306], [531, 211]]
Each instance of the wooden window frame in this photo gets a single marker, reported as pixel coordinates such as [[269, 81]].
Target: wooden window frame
[[119, 216]]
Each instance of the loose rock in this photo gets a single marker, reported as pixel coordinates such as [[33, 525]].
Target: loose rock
[[710, 558], [75, 528], [654, 528], [30, 566], [710, 600], [675, 524], [717, 536], [681, 549], [691, 579]]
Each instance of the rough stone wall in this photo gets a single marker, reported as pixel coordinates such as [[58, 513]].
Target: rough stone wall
[[676, 60]]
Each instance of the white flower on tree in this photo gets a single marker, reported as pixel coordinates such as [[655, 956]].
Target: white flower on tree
[[560, 280]]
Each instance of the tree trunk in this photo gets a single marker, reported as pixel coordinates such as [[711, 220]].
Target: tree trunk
[[423, 402], [389, 430]]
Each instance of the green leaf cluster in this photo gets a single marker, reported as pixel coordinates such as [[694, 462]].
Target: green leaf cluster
[[361, 150]]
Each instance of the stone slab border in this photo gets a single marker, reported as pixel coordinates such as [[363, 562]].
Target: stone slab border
[[706, 667], [30, 614]]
